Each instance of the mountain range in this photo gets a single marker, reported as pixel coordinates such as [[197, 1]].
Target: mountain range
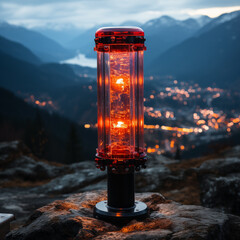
[[161, 34], [18, 51], [20, 75], [165, 32], [211, 56], [45, 48], [204, 50]]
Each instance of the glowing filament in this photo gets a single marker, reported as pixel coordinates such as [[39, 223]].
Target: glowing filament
[[120, 125], [120, 81]]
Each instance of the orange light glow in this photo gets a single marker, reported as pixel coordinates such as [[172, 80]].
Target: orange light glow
[[172, 144], [151, 150], [236, 120], [199, 122], [120, 81], [185, 130], [120, 118], [87, 125], [120, 102], [120, 124]]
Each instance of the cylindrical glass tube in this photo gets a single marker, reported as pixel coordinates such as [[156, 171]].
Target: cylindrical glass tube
[[120, 102]]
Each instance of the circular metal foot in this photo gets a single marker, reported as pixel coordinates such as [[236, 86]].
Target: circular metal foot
[[120, 215]]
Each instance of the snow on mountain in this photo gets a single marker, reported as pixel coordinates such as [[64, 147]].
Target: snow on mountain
[[226, 17], [203, 20]]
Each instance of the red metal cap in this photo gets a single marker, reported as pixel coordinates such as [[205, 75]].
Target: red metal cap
[[119, 39], [119, 31]]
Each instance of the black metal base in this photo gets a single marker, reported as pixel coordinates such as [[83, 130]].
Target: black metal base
[[120, 215]]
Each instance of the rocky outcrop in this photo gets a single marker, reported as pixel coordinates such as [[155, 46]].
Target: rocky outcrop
[[220, 167], [28, 183], [77, 181], [212, 182], [222, 193], [16, 162], [156, 175], [220, 184], [72, 219]]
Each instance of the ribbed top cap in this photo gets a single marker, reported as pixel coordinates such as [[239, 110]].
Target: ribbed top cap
[[119, 39]]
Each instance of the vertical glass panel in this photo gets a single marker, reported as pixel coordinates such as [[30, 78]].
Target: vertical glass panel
[[140, 100], [100, 96], [103, 103], [120, 104], [106, 102], [132, 102]]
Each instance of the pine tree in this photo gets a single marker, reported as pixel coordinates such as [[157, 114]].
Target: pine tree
[[178, 153], [36, 137], [73, 151]]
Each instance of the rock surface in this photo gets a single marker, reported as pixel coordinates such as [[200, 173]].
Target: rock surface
[[72, 219], [16, 162], [28, 183], [155, 176], [220, 184]]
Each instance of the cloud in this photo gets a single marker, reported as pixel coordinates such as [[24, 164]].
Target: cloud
[[213, 12], [87, 13]]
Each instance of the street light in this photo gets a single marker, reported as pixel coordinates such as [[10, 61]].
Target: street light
[[120, 119]]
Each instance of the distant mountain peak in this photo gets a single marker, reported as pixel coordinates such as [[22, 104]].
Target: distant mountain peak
[[211, 56], [163, 20], [130, 23], [8, 25], [167, 21], [203, 20], [45, 48], [227, 17]]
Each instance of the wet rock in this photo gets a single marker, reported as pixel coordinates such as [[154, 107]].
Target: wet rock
[[73, 182], [27, 183], [222, 192], [26, 168], [220, 167], [17, 162], [156, 176], [231, 152], [72, 219], [22, 202], [7, 148], [220, 184]]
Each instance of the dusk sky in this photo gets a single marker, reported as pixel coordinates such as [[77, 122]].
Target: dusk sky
[[58, 14]]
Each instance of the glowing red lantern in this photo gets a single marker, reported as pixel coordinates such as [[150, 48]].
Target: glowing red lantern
[[120, 117]]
